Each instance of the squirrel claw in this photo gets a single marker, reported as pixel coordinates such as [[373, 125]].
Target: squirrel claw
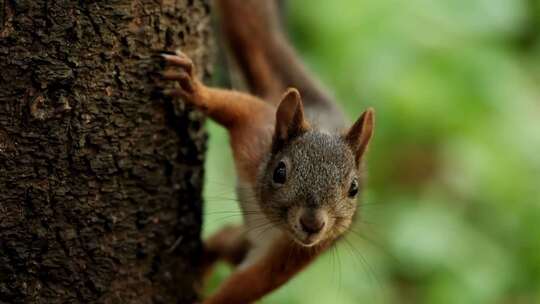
[[182, 71], [185, 81], [181, 60]]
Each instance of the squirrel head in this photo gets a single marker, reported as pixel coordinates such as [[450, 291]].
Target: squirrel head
[[309, 183]]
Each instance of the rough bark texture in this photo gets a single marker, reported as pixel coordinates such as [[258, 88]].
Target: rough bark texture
[[100, 177]]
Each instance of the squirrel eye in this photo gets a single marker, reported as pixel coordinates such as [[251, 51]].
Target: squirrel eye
[[280, 173], [353, 190]]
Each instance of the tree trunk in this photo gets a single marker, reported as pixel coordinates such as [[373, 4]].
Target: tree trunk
[[100, 176]]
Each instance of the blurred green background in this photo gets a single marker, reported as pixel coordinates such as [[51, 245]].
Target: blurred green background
[[451, 213]]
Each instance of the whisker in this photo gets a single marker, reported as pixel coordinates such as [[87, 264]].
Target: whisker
[[233, 211], [223, 218], [340, 283], [367, 267], [263, 227], [375, 245]]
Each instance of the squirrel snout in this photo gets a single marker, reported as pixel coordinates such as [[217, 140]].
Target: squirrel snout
[[312, 222]]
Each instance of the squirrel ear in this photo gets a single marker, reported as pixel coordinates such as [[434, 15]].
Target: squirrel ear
[[290, 121], [360, 133]]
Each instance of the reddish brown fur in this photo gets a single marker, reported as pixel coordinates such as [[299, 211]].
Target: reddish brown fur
[[247, 118], [228, 244], [250, 123], [270, 272], [248, 39], [270, 66]]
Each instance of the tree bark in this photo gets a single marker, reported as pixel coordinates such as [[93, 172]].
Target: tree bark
[[100, 176]]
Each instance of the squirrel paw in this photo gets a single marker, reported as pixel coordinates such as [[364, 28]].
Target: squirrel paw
[[183, 72]]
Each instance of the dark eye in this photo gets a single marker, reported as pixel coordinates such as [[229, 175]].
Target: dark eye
[[280, 173], [353, 190]]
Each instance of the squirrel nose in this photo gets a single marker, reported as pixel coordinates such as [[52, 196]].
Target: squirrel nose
[[312, 223]]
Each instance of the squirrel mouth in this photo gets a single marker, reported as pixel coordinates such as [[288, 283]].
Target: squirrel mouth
[[309, 244], [307, 227], [307, 240]]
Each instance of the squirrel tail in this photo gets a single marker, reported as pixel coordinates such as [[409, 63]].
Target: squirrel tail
[[253, 33]]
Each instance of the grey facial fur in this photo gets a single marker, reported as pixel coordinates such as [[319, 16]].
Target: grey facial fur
[[320, 168]]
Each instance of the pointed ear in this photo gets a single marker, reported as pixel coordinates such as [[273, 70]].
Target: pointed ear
[[360, 133], [290, 121]]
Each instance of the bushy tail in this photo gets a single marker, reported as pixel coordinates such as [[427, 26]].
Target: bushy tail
[[253, 34]]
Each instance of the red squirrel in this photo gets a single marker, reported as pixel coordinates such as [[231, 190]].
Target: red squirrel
[[299, 168]]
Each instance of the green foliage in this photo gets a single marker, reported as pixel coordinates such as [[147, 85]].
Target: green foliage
[[452, 209]]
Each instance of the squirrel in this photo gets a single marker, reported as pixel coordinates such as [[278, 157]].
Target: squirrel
[[299, 168]]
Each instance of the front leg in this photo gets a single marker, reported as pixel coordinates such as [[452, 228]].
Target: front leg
[[229, 244], [243, 286], [229, 108], [250, 282], [248, 119]]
